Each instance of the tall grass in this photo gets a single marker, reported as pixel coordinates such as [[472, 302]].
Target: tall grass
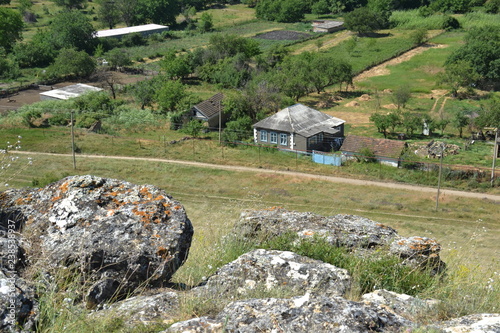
[[411, 20], [479, 19]]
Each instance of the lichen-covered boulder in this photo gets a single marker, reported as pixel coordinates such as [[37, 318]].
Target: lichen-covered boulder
[[262, 271], [143, 310], [401, 304], [419, 252], [340, 230], [476, 323], [18, 304], [298, 314], [117, 234]]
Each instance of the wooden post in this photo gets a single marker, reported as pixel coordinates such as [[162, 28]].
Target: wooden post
[[73, 139], [439, 177], [495, 154]]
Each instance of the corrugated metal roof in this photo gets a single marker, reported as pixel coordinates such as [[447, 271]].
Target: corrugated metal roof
[[380, 147], [129, 30], [330, 24], [68, 92], [211, 106], [301, 120]]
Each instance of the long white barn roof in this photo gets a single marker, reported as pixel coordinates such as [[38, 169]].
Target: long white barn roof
[[129, 30], [70, 91]]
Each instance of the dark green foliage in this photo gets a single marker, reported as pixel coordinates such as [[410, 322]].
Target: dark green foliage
[[170, 95], [280, 10], [227, 73], [70, 4], [238, 130], [225, 45], [108, 13], [193, 128], [135, 39], [10, 28], [206, 23], [460, 120], [450, 23], [411, 122], [459, 74], [418, 36], [9, 69], [39, 52], [156, 11], [454, 6], [72, 29], [118, 58], [175, 66], [492, 6], [481, 50], [365, 20], [489, 114], [401, 96], [70, 62]]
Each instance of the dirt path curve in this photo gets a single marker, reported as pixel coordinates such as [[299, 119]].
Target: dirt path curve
[[332, 179], [331, 42]]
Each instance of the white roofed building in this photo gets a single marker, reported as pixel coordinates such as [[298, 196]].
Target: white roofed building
[[68, 92], [145, 30]]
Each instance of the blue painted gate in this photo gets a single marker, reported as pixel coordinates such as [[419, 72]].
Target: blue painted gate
[[325, 158]]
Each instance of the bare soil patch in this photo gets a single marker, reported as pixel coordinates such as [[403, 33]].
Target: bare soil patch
[[283, 35]]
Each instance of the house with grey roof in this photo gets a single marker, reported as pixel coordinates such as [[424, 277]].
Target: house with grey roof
[[209, 111], [385, 151], [299, 127], [327, 26]]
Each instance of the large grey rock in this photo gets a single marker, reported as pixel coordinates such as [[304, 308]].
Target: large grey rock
[[476, 323], [419, 252], [340, 230], [18, 304], [401, 304], [117, 234], [298, 314], [264, 271], [145, 310]]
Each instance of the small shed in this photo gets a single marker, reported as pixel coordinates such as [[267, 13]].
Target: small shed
[[386, 151], [68, 92], [327, 26], [209, 111], [145, 30]]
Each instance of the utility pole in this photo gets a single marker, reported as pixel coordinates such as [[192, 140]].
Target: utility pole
[[495, 154], [439, 179], [73, 139], [220, 125]]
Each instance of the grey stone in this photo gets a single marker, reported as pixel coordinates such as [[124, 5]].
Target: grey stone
[[476, 323], [339, 230], [118, 234], [404, 305], [299, 314], [264, 271], [18, 304], [419, 252], [143, 310]]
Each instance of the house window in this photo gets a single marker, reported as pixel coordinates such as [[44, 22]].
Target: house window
[[263, 136], [283, 139], [274, 137], [315, 139]]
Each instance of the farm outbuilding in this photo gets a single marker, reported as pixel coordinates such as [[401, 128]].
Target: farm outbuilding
[[299, 127], [385, 151], [327, 26], [209, 111], [68, 92], [145, 30]]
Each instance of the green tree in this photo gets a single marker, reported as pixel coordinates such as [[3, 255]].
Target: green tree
[[127, 10], [24, 6], [118, 58], [481, 50], [10, 28], [206, 22], [38, 52], [365, 20], [286, 11], [460, 120], [492, 6], [237, 130], [401, 96], [156, 11], [9, 69], [71, 62], [175, 66], [418, 36], [144, 92], [108, 13], [227, 45], [411, 122], [320, 8], [193, 128], [489, 114], [170, 94], [72, 29], [71, 4], [381, 122], [458, 74]]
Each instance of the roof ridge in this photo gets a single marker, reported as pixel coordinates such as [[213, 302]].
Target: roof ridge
[[290, 119]]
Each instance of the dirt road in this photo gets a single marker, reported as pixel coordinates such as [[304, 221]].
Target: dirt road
[[332, 179]]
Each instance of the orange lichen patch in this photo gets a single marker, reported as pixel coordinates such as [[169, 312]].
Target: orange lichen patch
[[111, 212], [309, 233], [64, 187], [156, 220], [145, 192], [57, 197], [167, 204], [162, 252], [177, 207], [274, 208], [155, 236], [168, 213], [382, 225], [23, 201], [158, 198], [145, 216]]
